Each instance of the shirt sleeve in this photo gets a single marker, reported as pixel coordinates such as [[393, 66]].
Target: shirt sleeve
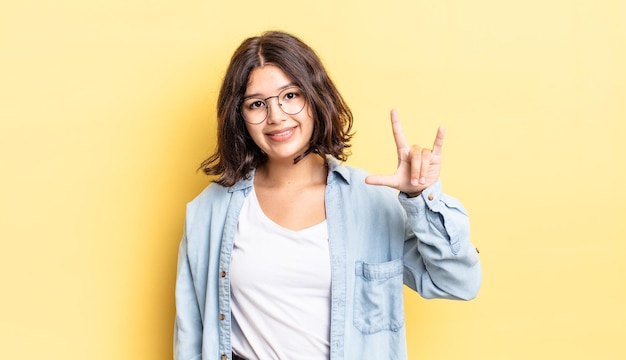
[[439, 260], [188, 323]]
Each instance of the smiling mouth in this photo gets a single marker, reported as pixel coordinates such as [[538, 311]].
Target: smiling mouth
[[282, 133]]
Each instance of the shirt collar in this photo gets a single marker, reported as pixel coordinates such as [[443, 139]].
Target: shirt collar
[[337, 170]]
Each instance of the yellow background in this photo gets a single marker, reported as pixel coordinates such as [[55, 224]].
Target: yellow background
[[107, 109]]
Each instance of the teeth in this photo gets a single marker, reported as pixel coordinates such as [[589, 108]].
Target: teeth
[[282, 133]]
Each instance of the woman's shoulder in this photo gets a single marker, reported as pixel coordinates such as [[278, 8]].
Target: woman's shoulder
[[210, 192], [213, 195]]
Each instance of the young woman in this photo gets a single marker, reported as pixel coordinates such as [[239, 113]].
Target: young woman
[[292, 255]]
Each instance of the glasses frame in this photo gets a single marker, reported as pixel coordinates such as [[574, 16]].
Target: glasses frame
[[267, 108]]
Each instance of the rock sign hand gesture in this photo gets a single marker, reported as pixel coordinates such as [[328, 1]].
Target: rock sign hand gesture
[[418, 168]]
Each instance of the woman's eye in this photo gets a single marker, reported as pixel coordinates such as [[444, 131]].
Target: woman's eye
[[256, 104], [291, 95]]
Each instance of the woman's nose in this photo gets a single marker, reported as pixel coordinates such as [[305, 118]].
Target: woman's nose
[[276, 113]]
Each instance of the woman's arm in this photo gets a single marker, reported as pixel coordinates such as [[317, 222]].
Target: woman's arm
[[439, 260]]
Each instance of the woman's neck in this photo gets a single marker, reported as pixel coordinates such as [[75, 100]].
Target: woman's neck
[[311, 170]]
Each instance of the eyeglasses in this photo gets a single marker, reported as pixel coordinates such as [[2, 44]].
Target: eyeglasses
[[291, 101]]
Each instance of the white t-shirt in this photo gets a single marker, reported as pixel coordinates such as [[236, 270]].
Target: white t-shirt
[[280, 288]]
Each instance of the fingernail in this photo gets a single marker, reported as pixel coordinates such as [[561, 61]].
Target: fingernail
[[423, 180], [414, 182]]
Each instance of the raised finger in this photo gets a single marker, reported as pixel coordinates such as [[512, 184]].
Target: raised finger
[[438, 145], [398, 134]]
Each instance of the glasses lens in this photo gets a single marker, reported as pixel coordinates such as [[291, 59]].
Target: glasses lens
[[291, 100], [254, 111]]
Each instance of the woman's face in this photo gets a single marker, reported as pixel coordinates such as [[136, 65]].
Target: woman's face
[[282, 137]]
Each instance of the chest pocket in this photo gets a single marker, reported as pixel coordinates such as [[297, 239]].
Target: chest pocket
[[378, 297]]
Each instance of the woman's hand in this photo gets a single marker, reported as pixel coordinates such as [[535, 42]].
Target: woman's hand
[[418, 168]]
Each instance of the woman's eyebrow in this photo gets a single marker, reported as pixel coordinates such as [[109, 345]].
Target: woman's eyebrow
[[260, 96]]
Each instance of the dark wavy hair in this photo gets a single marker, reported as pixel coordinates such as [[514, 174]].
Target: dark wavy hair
[[236, 153]]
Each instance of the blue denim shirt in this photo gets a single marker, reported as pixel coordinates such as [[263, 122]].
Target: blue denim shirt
[[378, 241]]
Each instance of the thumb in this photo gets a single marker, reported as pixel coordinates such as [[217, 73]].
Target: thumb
[[380, 180]]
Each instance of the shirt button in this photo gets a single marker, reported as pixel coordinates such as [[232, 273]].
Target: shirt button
[[430, 197], [222, 317], [224, 357], [223, 274]]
